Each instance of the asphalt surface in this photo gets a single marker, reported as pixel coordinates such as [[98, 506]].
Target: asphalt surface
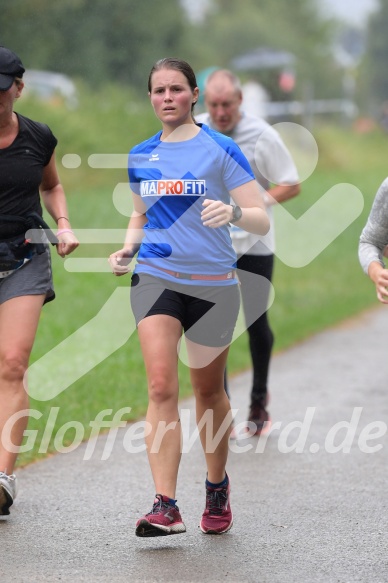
[[310, 502]]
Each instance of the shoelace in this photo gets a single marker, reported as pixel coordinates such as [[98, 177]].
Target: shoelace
[[11, 477], [216, 500], [158, 505]]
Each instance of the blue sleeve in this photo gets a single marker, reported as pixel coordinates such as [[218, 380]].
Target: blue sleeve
[[134, 181], [237, 170]]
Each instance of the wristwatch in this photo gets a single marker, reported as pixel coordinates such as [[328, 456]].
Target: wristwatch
[[237, 213]]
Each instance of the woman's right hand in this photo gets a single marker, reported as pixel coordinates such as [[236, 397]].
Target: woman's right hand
[[379, 276], [382, 286], [120, 261]]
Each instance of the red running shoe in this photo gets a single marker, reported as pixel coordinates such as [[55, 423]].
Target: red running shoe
[[217, 517], [163, 519]]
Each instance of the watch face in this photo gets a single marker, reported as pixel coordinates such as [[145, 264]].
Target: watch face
[[236, 213]]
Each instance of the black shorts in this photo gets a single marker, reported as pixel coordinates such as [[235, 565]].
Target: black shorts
[[208, 314]]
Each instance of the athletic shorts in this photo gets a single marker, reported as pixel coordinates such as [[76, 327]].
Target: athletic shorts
[[34, 278], [208, 314]]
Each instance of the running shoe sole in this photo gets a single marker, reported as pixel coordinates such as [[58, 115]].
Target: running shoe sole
[[147, 529], [6, 501], [210, 531]]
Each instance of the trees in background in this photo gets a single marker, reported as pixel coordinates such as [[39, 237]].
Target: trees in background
[[233, 28], [117, 41], [97, 40], [374, 71]]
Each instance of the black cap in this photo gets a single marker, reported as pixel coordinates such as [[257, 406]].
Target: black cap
[[10, 67]]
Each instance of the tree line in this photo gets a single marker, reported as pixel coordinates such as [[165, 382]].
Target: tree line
[[117, 41]]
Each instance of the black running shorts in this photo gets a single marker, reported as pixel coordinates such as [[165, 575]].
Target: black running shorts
[[208, 314]]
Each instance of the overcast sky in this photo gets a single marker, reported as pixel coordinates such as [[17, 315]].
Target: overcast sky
[[353, 11]]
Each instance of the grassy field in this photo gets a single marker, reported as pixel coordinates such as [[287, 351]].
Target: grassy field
[[85, 338]]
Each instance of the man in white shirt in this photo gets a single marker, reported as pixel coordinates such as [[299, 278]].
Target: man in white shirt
[[278, 177]]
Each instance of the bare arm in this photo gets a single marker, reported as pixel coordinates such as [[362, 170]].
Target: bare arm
[[120, 260], [54, 200], [280, 193]]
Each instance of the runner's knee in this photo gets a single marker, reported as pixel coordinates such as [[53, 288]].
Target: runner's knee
[[13, 367]]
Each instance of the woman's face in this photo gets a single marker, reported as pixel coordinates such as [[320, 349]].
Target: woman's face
[[172, 97], [8, 97]]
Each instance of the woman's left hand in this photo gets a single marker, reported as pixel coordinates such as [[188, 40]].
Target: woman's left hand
[[67, 243], [216, 213]]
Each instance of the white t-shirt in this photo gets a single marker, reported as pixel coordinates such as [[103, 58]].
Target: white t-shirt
[[271, 163]]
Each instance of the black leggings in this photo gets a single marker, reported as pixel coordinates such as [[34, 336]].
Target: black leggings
[[255, 297]]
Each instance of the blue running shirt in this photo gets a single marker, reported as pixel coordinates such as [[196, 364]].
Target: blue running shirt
[[173, 179]]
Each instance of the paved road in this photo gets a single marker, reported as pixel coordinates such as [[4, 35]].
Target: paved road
[[310, 502]]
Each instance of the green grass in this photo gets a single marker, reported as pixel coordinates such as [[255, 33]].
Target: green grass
[[308, 299]]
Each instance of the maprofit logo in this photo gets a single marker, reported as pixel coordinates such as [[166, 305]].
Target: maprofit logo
[[173, 187]]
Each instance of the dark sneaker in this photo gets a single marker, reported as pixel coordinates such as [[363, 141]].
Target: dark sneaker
[[259, 416], [7, 492], [217, 517], [163, 519]]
